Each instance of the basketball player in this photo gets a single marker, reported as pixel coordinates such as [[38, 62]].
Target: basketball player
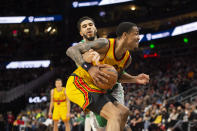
[[61, 104], [88, 31], [114, 52], [87, 23], [84, 25]]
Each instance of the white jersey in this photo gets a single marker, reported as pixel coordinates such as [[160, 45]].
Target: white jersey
[[118, 93]]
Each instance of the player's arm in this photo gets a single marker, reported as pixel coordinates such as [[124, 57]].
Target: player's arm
[[124, 77], [75, 52], [51, 104], [127, 78], [68, 103]]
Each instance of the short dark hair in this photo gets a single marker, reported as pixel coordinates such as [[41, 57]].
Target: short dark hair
[[58, 79], [124, 27], [83, 19]]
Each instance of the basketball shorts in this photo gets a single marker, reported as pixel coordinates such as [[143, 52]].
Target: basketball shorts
[[118, 93], [86, 95], [60, 113]]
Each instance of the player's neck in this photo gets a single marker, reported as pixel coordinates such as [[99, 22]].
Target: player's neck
[[86, 40], [119, 48], [59, 88]]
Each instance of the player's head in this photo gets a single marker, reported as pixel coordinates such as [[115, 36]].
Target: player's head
[[58, 82], [87, 29], [129, 33]]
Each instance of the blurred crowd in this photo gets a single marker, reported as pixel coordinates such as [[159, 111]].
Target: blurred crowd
[[35, 118], [169, 75], [150, 106], [144, 115], [161, 116], [15, 77]]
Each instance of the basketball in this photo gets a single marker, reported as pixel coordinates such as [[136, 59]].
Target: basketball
[[111, 71]]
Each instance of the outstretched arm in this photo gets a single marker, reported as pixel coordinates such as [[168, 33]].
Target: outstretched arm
[[127, 78], [124, 77], [75, 52]]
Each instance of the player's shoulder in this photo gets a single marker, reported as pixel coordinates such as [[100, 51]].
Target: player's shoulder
[[111, 38], [63, 88], [53, 89], [102, 40]]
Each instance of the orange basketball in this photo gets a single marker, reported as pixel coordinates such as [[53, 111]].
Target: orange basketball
[[111, 71]]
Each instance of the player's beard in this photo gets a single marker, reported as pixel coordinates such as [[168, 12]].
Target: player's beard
[[90, 38]]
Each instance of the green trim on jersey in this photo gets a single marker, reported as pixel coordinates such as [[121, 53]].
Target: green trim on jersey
[[102, 122], [82, 41], [88, 115]]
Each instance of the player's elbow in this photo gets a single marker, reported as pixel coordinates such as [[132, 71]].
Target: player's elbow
[[103, 41], [69, 51]]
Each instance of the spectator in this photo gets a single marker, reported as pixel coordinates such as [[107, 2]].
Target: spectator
[[136, 121], [10, 120], [2, 122]]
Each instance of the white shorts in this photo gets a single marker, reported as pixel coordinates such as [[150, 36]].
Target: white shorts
[[118, 93]]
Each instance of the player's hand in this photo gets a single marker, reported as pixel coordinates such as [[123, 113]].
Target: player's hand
[[97, 75], [91, 56], [96, 57], [103, 65], [67, 116], [142, 79]]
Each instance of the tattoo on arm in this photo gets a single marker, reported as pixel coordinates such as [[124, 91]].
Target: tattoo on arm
[[75, 55], [75, 52]]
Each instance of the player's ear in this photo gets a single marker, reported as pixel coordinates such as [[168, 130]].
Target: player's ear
[[124, 35], [81, 33]]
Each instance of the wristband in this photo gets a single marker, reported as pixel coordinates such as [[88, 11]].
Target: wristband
[[86, 66]]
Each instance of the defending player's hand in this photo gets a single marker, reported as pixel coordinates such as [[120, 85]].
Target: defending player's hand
[[97, 75], [142, 79], [91, 56]]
